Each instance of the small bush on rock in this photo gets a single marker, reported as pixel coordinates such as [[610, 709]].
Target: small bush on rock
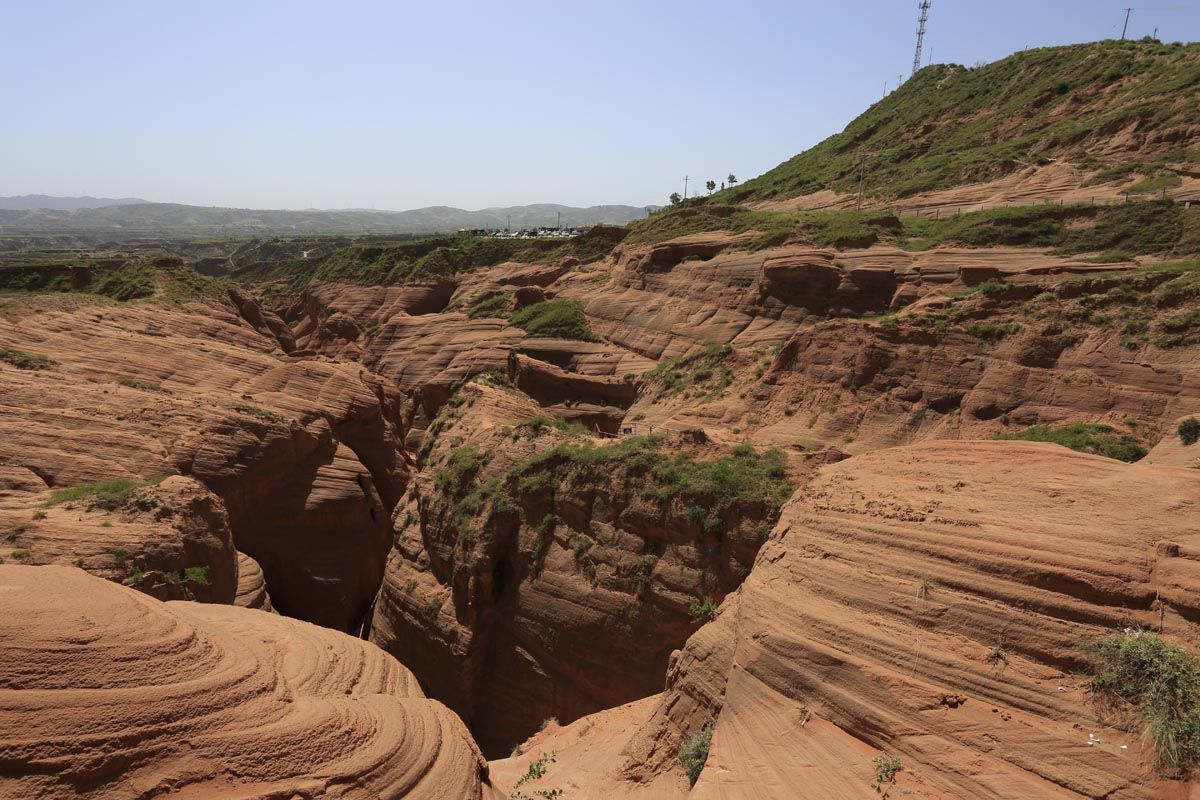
[[886, 769], [1189, 431], [693, 753]]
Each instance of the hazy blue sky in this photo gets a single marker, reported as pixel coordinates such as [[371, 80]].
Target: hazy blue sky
[[401, 104]]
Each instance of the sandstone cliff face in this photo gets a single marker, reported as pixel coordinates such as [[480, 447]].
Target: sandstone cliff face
[[975, 366], [252, 586], [512, 594], [170, 540], [668, 298], [107, 693], [305, 456], [930, 602]]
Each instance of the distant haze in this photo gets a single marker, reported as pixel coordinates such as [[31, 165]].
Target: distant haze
[[121, 219], [373, 104]]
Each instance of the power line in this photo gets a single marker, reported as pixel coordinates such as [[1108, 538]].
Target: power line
[[920, 35]]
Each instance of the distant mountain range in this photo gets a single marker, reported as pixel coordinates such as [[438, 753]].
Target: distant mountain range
[[28, 202], [126, 218]]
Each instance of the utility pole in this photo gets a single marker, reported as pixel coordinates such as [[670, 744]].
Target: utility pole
[[1128, 11], [560, 220], [685, 181], [508, 225], [920, 34]]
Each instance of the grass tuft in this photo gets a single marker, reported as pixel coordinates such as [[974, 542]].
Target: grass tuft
[[106, 494], [1142, 672]]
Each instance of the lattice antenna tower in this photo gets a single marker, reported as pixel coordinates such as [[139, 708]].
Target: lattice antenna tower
[[920, 35]]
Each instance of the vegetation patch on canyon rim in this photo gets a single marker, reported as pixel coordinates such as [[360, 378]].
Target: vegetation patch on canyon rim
[[743, 475], [560, 319], [104, 494], [1085, 437], [29, 361]]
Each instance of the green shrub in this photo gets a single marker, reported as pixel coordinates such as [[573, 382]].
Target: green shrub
[[490, 304], [643, 574], [562, 319], [990, 286], [1087, 437], [537, 424], [1159, 680], [693, 753], [256, 412], [145, 386], [886, 768], [841, 230], [124, 284], [197, 575], [991, 331], [537, 769], [708, 522], [693, 369], [432, 608], [1174, 291], [1154, 226], [497, 379], [1179, 330], [1189, 431], [453, 476], [28, 361], [744, 475], [703, 610]]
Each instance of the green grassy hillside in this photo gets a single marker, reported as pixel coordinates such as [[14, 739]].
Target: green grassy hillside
[[1114, 233], [951, 124]]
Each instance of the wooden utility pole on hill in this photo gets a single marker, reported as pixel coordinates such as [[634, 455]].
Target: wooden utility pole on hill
[[1125, 28]]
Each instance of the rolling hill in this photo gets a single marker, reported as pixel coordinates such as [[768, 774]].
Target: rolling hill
[[1112, 109], [175, 219]]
